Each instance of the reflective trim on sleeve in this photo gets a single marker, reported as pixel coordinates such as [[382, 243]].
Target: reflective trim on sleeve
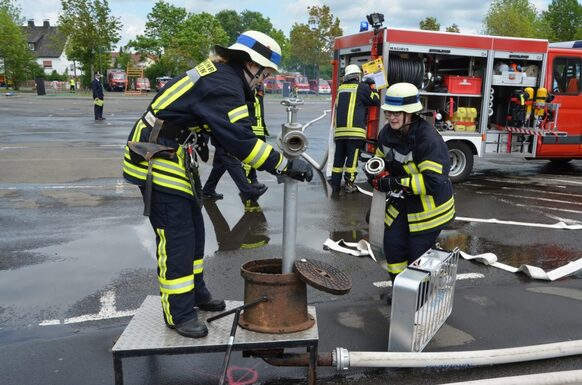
[[417, 184], [177, 286], [281, 165], [238, 113], [171, 94], [259, 154], [430, 165]]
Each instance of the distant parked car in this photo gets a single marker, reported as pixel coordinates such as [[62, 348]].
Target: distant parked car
[[323, 85], [274, 84], [161, 81], [142, 84]]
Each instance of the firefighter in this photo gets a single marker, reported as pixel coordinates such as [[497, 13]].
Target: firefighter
[[161, 158], [352, 102], [257, 111], [417, 165], [98, 96]]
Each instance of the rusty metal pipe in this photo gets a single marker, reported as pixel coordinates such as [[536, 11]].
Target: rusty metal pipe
[[293, 359]]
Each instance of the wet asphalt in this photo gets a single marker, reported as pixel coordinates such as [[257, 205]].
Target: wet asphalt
[[78, 258]]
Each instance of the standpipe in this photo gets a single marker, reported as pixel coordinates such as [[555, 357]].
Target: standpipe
[[292, 142]]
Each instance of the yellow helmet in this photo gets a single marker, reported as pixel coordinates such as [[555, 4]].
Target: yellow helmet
[[402, 97], [256, 46]]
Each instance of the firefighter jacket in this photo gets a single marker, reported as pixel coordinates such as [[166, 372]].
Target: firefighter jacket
[[352, 102], [257, 115], [420, 162], [212, 98]]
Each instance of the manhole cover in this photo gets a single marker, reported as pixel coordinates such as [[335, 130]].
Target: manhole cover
[[323, 276]]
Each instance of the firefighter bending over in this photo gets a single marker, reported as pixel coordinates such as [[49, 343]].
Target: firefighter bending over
[[352, 102], [161, 158], [417, 164]]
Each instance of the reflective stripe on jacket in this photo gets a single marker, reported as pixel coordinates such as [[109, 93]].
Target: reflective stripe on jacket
[[420, 162], [352, 102], [213, 97]]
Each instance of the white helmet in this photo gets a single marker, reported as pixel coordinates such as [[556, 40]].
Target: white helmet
[[255, 45], [402, 97], [352, 71]]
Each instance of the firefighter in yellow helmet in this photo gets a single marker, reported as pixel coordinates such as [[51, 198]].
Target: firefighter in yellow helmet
[[352, 102], [417, 165], [161, 158]]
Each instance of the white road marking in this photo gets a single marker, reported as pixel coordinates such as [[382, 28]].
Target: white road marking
[[108, 310]]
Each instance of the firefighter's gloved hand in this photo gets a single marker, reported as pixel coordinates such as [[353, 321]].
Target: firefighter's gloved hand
[[299, 169], [385, 184]]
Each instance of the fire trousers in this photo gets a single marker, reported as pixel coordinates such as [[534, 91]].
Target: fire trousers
[[402, 247], [179, 227], [347, 152]]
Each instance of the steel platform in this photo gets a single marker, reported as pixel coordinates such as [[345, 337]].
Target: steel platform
[[146, 334]]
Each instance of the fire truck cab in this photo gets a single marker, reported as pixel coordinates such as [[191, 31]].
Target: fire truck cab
[[486, 95]]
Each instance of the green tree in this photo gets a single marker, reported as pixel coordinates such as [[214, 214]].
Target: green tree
[[517, 18], [13, 10], [453, 28], [195, 39], [17, 59], [312, 43], [231, 22], [564, 19], [430, 24], [255, 21], [163, 22], [91, 31]]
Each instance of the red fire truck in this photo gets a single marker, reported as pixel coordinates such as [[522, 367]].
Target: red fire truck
[[486, 95]]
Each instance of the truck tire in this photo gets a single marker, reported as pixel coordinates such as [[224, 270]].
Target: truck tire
[[461, 158]]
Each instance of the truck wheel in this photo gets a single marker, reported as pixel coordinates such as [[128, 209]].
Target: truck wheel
[[461, 158]]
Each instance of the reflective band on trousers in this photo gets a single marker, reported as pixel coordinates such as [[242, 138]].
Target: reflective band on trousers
[[178, 285]]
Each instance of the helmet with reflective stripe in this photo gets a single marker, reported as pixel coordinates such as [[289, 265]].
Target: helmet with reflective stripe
[[402, 97], [255, 46], [352, 72]]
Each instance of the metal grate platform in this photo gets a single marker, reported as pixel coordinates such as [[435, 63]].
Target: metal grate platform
[[146, 334]]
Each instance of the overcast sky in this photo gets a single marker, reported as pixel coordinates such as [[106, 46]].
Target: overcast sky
[[467, 14]]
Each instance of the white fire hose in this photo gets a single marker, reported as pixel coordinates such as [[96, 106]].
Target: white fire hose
[[343, 359]]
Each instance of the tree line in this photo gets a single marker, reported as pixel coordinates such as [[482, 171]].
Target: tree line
[[179, 39]]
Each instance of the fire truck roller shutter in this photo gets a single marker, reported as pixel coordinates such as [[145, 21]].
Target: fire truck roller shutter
[[405, 71]]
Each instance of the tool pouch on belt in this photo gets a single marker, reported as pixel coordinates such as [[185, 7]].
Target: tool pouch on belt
[[150, 151]]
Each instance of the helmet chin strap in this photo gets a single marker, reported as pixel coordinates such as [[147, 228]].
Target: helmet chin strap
[[255, 77]]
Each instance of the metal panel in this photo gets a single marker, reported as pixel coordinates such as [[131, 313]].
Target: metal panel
[[422, 300], [147, 334]]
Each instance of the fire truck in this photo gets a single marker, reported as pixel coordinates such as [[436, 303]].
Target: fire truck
[[486, 95]]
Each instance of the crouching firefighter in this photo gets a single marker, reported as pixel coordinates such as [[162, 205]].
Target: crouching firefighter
[[161, 157], [417, 177]]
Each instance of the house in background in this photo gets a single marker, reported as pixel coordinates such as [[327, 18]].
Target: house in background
[[48, 45]]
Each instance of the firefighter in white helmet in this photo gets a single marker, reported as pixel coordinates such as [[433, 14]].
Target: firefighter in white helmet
[[417, 164], [161, 158], [352, 102]]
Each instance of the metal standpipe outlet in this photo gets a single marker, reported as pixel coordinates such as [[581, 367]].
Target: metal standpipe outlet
[[292, 142]]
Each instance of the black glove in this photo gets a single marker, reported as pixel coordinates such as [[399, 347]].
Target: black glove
[[385, 184], [299, 169]]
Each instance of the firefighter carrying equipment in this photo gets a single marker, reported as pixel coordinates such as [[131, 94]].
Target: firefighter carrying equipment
[[420, 163]]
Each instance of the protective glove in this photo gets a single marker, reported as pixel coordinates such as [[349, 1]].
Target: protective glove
[[299, 169], [385, 184]]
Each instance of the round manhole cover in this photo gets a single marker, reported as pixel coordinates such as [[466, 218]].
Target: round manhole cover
[[323, 276]]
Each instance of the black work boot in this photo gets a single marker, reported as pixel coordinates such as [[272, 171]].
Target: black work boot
[[258, 185], [191, 329], [211, 304]]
